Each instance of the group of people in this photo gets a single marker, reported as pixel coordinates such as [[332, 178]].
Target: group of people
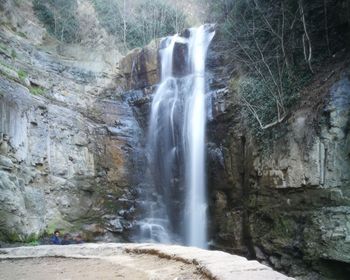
[[66, 240]]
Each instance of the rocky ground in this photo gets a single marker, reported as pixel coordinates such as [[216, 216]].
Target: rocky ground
[[131, 261]]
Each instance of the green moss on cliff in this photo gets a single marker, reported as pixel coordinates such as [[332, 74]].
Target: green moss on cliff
[[36, 90]]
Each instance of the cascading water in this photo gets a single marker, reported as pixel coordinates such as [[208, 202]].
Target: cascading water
[[194, 141], [176, 145]]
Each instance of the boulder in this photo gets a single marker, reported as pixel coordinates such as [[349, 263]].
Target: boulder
[[140, 67]]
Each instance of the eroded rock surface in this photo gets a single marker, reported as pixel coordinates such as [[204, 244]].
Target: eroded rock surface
[[284, 198], [68, 139], [140, 66]]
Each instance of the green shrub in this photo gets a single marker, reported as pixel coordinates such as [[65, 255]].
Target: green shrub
[[263, 38], [33, 243], [277, 46], [22, 74], [259, 101], [37, 90], [255, 92], [13, 54]]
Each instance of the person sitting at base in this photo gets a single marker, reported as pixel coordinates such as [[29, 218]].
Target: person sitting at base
[[66, 239], [78, 239], [55, 238]]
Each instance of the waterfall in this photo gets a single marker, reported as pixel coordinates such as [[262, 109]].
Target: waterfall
[[175, 210], [194, 138]]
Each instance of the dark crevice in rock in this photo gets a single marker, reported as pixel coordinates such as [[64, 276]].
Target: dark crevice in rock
[[247, 239]]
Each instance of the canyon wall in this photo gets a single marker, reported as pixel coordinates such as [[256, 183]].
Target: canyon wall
[[282, 196], [69, 142]]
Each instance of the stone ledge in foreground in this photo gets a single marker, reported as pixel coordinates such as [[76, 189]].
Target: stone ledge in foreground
[[215, 264]]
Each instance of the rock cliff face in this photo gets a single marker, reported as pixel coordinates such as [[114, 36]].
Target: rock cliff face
[[68, 142], [284, 198], [140, 66]]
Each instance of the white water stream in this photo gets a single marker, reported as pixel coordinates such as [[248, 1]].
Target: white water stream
[[176, 144]]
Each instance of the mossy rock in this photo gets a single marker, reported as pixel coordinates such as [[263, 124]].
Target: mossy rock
[[59, 224]]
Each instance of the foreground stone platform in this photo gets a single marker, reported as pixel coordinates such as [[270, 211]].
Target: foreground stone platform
[[214, 264]]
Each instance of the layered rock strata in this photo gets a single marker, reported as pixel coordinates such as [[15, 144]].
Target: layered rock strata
[[68, 144], [284, 197]]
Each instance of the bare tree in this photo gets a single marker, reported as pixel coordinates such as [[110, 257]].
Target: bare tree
[[325, 10], [307, 46], [266, 58]]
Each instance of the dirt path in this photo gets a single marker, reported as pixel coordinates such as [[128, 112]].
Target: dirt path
[[133, 267]]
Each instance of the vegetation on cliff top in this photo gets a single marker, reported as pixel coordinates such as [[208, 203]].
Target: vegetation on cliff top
[[137, 23], [276, 47], [134, 23], [59, 18]]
